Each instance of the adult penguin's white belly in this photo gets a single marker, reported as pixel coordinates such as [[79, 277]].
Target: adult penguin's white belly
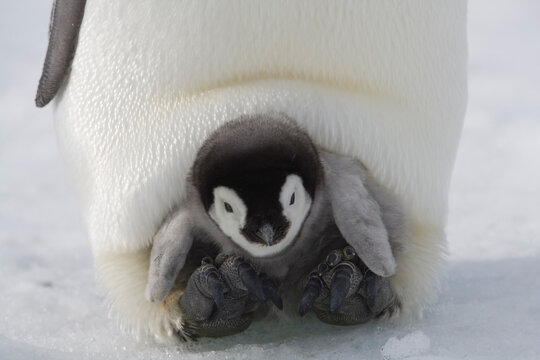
[[382, 81]]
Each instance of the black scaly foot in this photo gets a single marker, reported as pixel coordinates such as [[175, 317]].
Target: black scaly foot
[[221, 296], [342, 291]]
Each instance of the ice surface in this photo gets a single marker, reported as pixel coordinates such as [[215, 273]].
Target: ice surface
[[415, 343], [489, 308]]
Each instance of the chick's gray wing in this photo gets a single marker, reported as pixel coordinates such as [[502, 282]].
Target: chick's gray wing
[[66, 19], [357, 214], [170, 248]]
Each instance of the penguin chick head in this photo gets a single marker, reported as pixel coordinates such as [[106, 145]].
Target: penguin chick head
[[256, 178]]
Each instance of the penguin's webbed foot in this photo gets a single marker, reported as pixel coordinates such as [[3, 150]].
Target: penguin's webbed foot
[[221, 296], [343, 291]]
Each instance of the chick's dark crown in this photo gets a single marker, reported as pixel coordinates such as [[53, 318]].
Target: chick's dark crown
[[253, 156]]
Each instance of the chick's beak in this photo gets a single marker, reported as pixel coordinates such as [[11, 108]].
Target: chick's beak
[[266, 234]]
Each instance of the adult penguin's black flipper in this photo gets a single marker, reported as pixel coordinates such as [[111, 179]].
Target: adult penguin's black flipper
[[66, 19]]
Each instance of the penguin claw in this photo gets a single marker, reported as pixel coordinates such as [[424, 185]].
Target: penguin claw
[[339, 288], [251, 281], [271, 291], [370, 289], [311, 293], [334, 258]]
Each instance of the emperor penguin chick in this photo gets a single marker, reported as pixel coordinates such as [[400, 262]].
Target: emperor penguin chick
[[256, 179], [265, 208]]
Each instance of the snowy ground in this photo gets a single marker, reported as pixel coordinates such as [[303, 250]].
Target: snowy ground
[[489, 308]]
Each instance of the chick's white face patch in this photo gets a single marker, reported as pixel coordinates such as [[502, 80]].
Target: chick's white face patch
[[296, 203], [229, 212]]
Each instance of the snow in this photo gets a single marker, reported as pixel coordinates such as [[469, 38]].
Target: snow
[[411, 344], [489, 307]]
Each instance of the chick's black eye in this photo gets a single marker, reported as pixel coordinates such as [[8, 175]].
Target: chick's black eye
[[228, 207], [292, 199]]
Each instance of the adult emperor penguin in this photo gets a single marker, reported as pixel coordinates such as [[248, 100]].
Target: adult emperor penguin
[[140, 85]]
